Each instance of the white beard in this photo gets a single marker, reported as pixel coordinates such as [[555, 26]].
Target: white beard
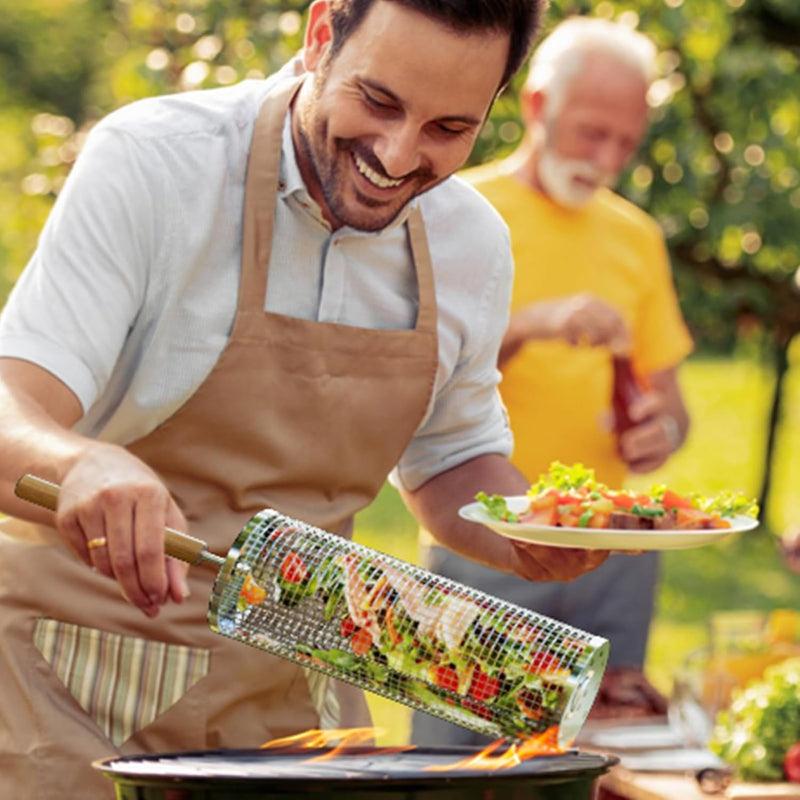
[[558, 175]]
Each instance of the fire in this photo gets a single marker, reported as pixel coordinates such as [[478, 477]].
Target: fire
[[546, 744], [338, 739]]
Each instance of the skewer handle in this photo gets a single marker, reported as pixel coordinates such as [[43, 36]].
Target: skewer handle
[[176, 544]]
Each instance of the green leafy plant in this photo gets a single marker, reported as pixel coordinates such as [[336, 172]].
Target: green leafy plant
[[761, 724]]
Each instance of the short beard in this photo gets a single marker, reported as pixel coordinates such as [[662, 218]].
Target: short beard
[[310, 130], [329, 183]]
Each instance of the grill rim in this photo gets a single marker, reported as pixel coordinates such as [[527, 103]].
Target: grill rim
[[568, 766]]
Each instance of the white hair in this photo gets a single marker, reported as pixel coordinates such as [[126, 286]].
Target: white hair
[[560, 56]]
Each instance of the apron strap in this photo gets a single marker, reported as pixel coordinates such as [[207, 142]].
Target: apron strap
[[421, 255], [260, 195]]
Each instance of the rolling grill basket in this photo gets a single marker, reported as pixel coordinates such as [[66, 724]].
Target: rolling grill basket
[[356, 614], [364, 617], [363, 773]]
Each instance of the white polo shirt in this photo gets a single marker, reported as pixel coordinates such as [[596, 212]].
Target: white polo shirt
[[131, 294]]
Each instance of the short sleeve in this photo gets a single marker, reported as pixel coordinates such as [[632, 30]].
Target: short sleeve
[[78, 297]]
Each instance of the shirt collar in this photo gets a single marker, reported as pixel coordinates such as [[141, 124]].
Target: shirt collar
[[292, 187]]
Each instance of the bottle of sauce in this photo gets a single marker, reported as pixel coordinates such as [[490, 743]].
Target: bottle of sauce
[[626, 390]]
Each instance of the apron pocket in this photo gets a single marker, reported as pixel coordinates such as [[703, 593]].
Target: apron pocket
[[122, 682]]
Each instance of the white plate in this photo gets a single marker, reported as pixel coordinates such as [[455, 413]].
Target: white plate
[[683, 760], [599, 538], [634, 737]]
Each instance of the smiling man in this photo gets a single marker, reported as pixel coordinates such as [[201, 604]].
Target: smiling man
[[377, 127], [272, 294]]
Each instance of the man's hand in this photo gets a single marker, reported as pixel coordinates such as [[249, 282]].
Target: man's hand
[[435, 504], [538, 563], [580, 319], [584, 319], [661, 424], [654, 437], [112, 508], [112, 511], [789, 548]]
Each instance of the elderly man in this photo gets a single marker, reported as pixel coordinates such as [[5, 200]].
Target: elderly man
[[592, 280]]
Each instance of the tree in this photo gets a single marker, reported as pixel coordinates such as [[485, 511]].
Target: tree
[[720, 168], [724, 156]]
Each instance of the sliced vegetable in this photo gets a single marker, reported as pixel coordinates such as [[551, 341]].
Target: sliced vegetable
[[293, 570], [361, 642], [543, 662], [483, 687], [445, 678], [251, 592], [672, 499]]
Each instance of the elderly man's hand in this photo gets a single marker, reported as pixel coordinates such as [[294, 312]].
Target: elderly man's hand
[[539, 563], [789, 548], [584, 319]]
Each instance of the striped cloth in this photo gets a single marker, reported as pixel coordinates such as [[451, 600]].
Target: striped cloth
[[122, 682]]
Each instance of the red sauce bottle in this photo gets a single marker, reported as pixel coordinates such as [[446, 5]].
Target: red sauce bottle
[[626, 389]]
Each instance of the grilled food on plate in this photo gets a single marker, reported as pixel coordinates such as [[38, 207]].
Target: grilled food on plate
[[571, 497]]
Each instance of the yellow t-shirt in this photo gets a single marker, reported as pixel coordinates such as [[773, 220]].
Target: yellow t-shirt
[[557, 395]]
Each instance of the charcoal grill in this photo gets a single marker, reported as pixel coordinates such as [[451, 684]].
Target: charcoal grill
[[359, 773]]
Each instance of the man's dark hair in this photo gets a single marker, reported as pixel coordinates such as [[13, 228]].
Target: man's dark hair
[[519, 18]]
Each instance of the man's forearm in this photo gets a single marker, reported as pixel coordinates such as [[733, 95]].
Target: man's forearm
[[436, 504], [36, 411]]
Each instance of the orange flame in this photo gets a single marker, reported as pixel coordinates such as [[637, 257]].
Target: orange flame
[[546, 744], [339, 739]]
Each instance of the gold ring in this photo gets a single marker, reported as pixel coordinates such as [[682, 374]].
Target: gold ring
[[99, 542]]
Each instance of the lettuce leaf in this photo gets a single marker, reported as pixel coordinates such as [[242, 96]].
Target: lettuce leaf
[[496, 507], [560, 476]]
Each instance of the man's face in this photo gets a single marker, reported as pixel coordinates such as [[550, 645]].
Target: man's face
[[395, 112], [593, 133]]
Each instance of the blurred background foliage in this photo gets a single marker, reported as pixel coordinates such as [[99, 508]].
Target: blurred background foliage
[[720, 168]]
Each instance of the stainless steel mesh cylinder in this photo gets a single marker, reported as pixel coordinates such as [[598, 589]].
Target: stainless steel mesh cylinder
[[402, 632]]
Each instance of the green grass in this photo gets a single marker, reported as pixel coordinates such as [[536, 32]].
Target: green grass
[[728, 402]]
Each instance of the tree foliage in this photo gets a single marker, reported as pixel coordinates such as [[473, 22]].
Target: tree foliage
[[720, 168]]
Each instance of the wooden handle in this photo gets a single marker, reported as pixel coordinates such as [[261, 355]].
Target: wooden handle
[[38, 491], [176, 544]]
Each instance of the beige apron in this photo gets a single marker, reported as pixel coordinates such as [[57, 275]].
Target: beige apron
[[302, 416]]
